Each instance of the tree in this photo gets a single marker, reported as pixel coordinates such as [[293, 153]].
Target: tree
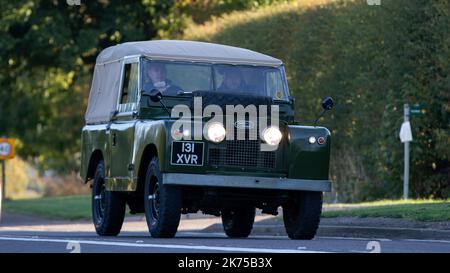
[[48, 51]]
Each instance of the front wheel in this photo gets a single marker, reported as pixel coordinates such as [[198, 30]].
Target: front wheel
[[302, 215], [162, 203], [108, 207], [238, 223]]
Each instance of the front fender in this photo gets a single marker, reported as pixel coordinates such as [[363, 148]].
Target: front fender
[[149, 132], [305, 160]]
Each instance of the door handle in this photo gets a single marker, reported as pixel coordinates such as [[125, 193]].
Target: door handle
[[114, 139]]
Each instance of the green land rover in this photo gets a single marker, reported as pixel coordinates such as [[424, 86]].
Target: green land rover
[[177, 127]]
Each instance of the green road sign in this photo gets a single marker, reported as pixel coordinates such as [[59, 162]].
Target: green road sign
[[416, 110]]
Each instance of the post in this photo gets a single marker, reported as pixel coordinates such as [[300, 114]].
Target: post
[[406, 158], [2, 188]]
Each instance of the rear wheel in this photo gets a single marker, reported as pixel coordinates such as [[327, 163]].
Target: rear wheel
[[238, 223], [108, 207], [162, 203], [302, 216]]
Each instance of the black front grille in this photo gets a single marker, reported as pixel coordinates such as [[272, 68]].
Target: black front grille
[[241, 153]]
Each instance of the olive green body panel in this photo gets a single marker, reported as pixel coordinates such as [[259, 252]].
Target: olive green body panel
[[306, 160], [148, 132], [124, 139], [295, 157], [121, 152], [122, 161], [221, 170], [93, 139]]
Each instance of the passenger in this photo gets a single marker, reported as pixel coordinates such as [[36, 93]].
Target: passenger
[[232, 81]]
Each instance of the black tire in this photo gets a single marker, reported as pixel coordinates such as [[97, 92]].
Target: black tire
[[238, 223], [108, 207], [302, 216], [162, 203]]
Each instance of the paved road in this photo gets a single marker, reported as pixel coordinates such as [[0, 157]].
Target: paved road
[[189, 241], [192, 242], [38, 237]]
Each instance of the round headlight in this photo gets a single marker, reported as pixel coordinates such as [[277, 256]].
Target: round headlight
[[215, 132], [272, 135]]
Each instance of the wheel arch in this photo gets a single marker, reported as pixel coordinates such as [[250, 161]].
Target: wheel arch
[[149, 152], [96, 157]]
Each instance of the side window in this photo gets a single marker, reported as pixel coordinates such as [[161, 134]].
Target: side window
[[129, 92], [274, 85]]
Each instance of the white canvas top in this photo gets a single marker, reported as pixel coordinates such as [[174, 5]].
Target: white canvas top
[[106, 82], [188, 51]]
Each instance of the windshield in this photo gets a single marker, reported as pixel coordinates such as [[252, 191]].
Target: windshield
[[172, 77]]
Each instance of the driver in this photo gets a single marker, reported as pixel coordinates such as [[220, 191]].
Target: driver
[[156, 75]]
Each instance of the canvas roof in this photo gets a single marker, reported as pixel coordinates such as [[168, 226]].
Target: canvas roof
[[106, 82], [187, 51]]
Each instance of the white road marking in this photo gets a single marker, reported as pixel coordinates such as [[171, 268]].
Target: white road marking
[[193, 233], [355, 239], [427, 241], [169, 246], [222, 235]]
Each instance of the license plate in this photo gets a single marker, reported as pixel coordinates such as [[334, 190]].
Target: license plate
[[188, 153]]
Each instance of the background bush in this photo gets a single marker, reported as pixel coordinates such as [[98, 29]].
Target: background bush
[[372, 60]]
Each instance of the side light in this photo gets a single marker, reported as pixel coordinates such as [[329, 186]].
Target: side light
[[178, 134], [321, 140]]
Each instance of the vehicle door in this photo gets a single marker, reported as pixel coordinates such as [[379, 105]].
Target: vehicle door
[[123, 125]]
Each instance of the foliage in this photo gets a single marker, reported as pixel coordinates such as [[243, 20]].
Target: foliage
[[372, 60], [22, 180], [185, 12], [64, 185], [47, 53]]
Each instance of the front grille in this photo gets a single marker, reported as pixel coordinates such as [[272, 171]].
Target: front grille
[[240, 153]]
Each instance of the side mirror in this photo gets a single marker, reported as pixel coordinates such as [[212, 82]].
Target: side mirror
[[291, 100], [154, 95], [327, 103]]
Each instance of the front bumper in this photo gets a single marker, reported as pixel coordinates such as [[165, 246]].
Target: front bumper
[[250, 182]]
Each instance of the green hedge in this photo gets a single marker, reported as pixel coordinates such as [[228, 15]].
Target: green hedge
[[372, 60]]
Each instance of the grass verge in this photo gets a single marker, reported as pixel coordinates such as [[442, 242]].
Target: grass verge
[[73, 207], [79, 207], [418, 210]]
